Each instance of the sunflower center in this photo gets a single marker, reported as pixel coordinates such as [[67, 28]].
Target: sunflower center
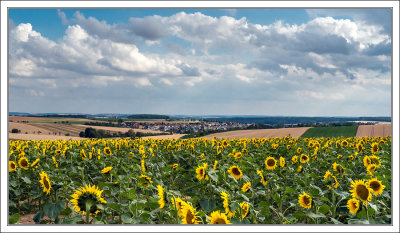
[[354, 205], [375, 185], [303, 157], [13, 166], [46, 183], [271, 162], [189, 217], [235, 171], [220, 221], [201, 172], [24, 163], [306, 200], [362, 192]]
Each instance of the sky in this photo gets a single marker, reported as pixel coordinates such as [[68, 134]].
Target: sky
[[287, 62]]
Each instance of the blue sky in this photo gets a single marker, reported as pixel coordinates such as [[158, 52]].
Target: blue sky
[[303, 62]]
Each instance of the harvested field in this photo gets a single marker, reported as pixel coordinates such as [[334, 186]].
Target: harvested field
[[116, 129], [59, 129], [379, 130], [23, 127], [173, 136], [260, 133], [19, 136]]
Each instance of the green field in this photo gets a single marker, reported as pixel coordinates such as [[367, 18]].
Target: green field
[[332, 131]]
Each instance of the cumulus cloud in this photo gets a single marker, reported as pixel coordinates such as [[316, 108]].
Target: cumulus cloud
[[201, 58]]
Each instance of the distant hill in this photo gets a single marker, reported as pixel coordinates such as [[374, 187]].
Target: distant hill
[[147, 116]]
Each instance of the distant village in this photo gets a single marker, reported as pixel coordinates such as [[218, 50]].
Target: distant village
[[185, 127]]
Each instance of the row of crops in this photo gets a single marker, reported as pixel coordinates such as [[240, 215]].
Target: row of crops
[[202, 181]]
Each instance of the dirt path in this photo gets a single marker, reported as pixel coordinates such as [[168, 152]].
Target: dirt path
[[379, 130], [261, 133]]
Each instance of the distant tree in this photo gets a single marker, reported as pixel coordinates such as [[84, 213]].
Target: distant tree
[[15, 131]]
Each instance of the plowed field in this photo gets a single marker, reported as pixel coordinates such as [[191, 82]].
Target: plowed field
[[260, 133], [379, 130]]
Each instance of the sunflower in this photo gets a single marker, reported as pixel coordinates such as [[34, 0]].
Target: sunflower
[[374, 147], [238, 155], [215, 165], [304, 158], [360, 147], [282, 161], [143, 165], [148, 179], [270, 163], [23, 163], [339, 156], [299, 150], [179, 204], [246, 187], [201, 171], [45, 181], [85, 199], [345, 143], [107, 150], [175, 165], [54, 161], [12, 166], [353, 205], [361, 190], [338, 168], [35, 162], [376, 186], [328, 175], [295, 159], [264, 182], [161, 200], [300, 169], [245, 208], [218, 218], [189, 215], [225, 203], [367, 161], [376, 160], [371, 168], [288, 147], [236, 172], [106, 170], [305, 200]]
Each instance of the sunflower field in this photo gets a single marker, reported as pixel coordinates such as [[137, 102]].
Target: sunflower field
[[202, 181]]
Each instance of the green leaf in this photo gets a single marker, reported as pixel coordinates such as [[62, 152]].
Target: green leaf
[[27, 180], [114, 206], [72, 220], [299, 214], [234, 206], [374, 207], [208, 204], [152, 204], [50, 210], [358, 221], [126, 218], [290, 190], [66, 212], [14, 218], [335, 221], [264, 204], [313, 215], [38, 216], [59, 206], [324, 209]]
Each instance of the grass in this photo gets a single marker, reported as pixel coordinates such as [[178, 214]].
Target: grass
[[332, 131]]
